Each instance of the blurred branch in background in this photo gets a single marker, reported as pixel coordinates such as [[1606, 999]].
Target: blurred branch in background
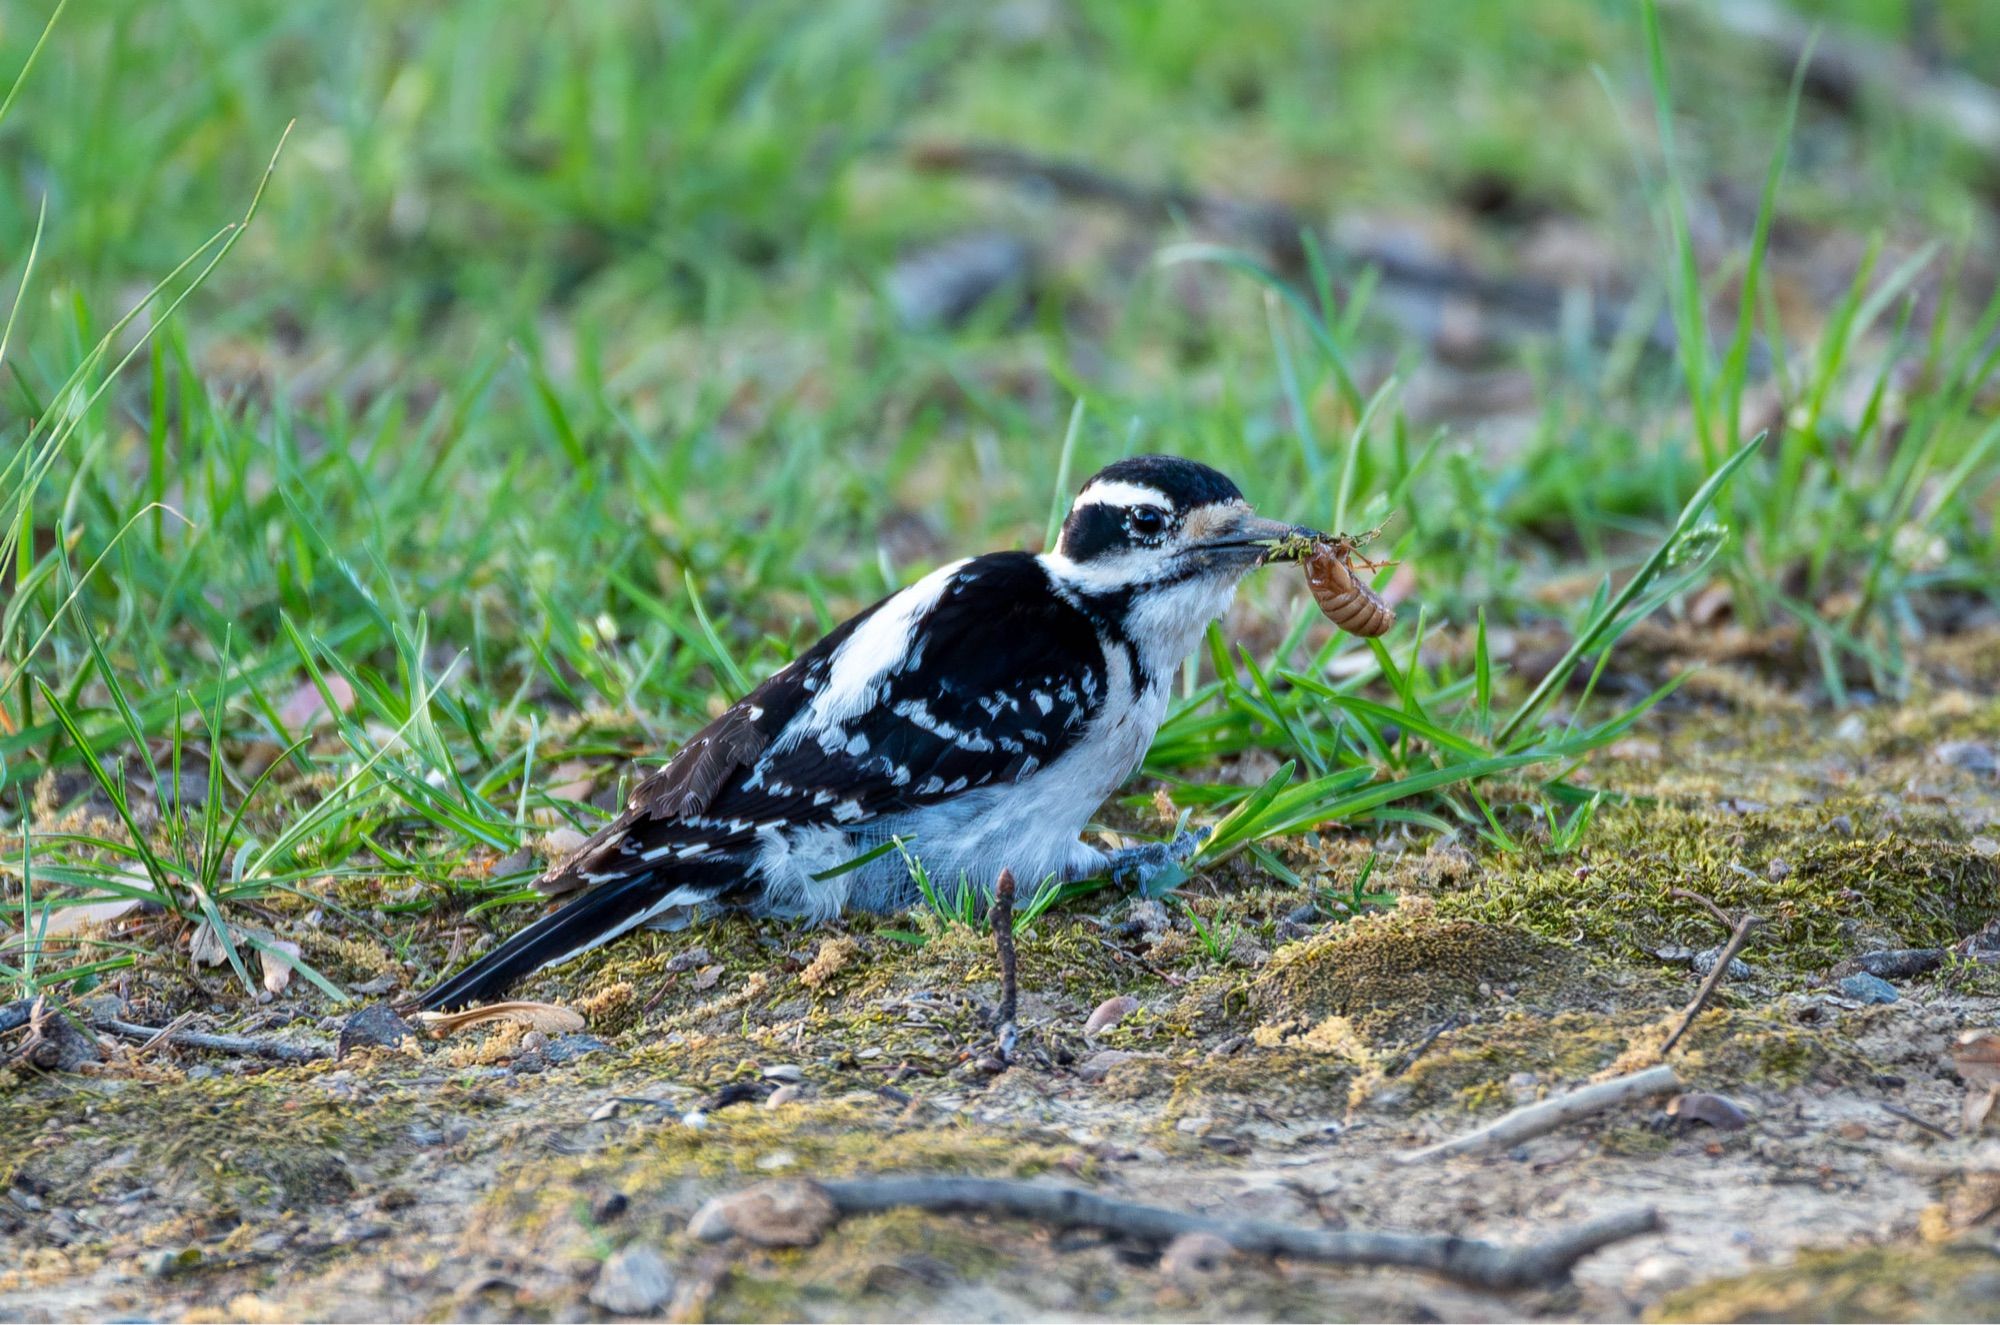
[[1849, 67]]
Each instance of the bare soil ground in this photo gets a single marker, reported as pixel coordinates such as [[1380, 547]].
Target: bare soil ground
[[489, 1175]]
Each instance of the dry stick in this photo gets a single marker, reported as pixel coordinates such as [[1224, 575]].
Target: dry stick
[[251, 1045], [1543, 1116], [1716, 975], [1001, 917], [1467, 1260], [1271, 226], [1898, 1111]]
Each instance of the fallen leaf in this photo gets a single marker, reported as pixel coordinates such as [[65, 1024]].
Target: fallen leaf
[[1716, 1111], [206, 948], [1976, 1055], [68, 920], [560, 844], [1109, 1013], [74, 919], [771, 1214], [572, 781], [278, 955], [1979, 1104], [546, 1017], [305, 703]]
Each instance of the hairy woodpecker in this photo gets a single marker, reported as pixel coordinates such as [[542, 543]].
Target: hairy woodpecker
[[982, 715]]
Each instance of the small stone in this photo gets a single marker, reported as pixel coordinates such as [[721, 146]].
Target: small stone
[[1840, 825], [782, 1096], [1851, 730], [610, 1206], [1705, 960], [1147, 918], [1868, 988], [777, 1159], [1972, 756], [695, 1120], [1985, 846], [1109, 1013], [569, 1048], [633, 1281], [771, 1214], [604, 1112], [784, 1072], [375, 1026], [1778, 869], [165, 1264], [688, 961], [1099, 1065], [1194, 1257]]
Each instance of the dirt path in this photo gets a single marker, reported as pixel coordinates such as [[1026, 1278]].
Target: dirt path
[[490, 1175]]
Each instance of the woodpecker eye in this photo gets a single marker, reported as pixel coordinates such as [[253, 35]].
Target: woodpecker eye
[[1147, 521]]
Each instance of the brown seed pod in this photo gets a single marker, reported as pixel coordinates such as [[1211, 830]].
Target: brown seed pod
[[1344, 598]]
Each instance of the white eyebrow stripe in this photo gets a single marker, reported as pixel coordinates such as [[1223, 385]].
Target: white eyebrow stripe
[[1115, 492]]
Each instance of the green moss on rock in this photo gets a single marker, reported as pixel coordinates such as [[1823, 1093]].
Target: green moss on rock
[[1844, 886], [1395, 973], [1955, 1281]]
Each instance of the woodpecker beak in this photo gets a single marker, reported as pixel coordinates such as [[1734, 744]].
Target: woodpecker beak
[[1251, 540]]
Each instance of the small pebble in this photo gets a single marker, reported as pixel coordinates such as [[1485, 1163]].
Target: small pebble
[[374, 1026], [634, 1281], [784, 1072], [1851, 730], [1705, 960], [781, 1096], [1841, 825], [1098, 1065], [1778, 870], [609, 1206], [695, 1121], [1868, 988], [1972, 756]]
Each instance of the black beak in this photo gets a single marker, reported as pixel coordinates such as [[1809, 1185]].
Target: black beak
[[1259, 541]]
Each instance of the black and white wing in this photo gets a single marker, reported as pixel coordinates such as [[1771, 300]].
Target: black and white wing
[[976, 675]]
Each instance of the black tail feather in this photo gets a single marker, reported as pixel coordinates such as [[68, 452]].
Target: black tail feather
[[596, 917]]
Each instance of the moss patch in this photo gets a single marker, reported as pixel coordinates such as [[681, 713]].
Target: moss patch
[[1393, 974], [1957, 1281], [1844, 886]]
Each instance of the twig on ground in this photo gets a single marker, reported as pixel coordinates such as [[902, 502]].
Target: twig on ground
[[1422, 1047], [1716, 975], [255, 1046], [1721, 916], [1898, 1111], [1001, 917], [1279, 230], [1849, 67], [1466, 1260], [1544, 1116]]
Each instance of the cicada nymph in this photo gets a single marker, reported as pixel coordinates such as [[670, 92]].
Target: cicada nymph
[[1345, 598]]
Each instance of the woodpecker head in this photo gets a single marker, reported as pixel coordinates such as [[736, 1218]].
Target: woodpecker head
[[1157, 523]]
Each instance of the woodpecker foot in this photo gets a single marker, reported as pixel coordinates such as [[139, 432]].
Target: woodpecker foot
[[1145, 865]]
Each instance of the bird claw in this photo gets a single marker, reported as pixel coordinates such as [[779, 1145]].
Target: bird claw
[[1141, 865]]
